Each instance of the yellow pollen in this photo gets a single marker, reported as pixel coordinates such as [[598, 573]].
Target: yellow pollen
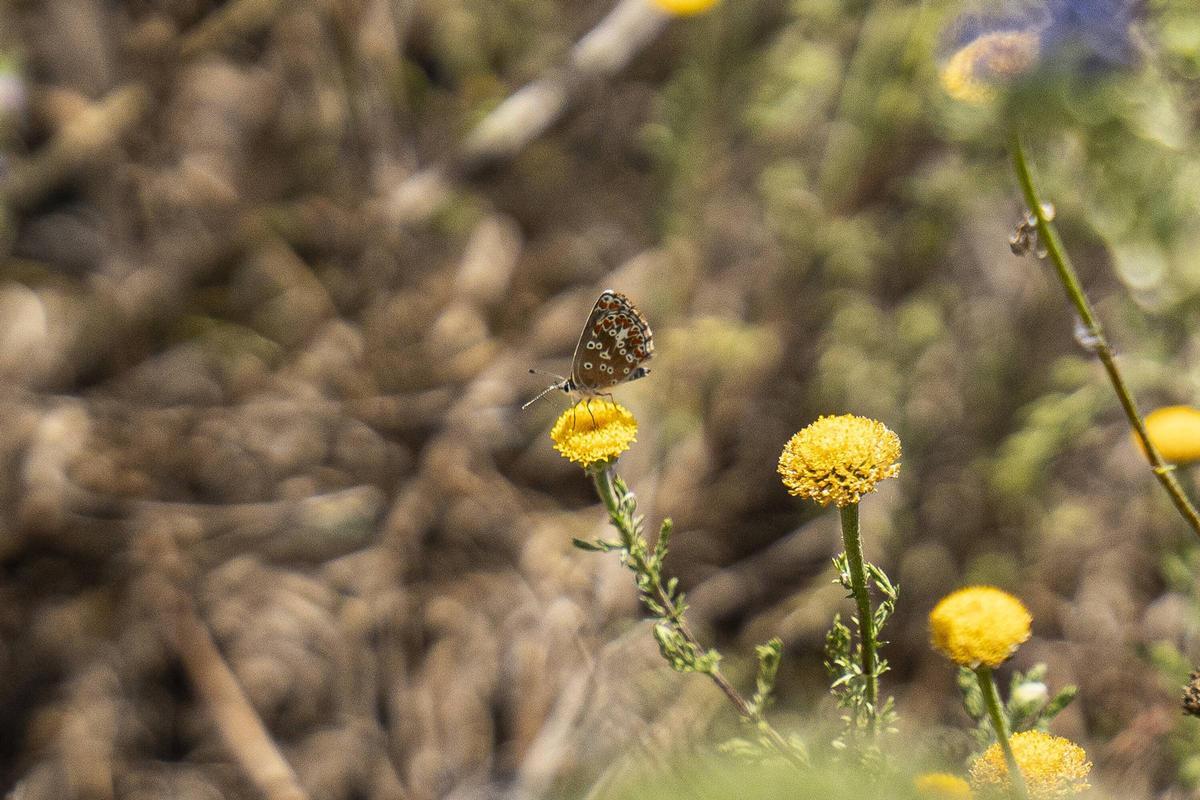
[[594, 431], [1053, 768], [839, 459], [979, 625]]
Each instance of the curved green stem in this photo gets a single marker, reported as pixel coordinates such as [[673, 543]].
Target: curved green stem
[[991, 697], [866, 620], [1048, 235]]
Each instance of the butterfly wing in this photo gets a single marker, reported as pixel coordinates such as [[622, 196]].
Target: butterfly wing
[[614, 344]]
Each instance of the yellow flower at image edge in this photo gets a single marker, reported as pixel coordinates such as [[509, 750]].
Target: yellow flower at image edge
[[1053, 767], [979, 625], [595, 431], [1175, 431], [941, 786], [839, 459], [684, 8]]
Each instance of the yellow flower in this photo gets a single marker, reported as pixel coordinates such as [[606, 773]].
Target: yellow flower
[[685, 8], [979, 625], [970, 74], [1053, 767], [1175, 431], [942, 786], [594, 431], [839, 459]]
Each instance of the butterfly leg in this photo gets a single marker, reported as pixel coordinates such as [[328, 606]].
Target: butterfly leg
[[588, 406]]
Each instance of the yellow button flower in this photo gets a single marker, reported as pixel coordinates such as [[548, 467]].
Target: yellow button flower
[[1053, 768], [594, 431], [979, 625], [1175, 431], [685, 8], [971, 73], [839, 459], [942, 786]]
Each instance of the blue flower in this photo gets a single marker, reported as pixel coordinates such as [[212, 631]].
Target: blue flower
[[1091, 33], [1007, 41]]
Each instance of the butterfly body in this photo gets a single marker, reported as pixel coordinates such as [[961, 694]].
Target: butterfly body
[[615, 342]]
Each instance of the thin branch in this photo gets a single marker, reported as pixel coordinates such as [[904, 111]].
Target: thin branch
[[241, 18], [531, 110], [79, 143], [1049, 238], [239, 725], [627, 527]]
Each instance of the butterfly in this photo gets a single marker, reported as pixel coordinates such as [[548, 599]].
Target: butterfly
[[616, 340]]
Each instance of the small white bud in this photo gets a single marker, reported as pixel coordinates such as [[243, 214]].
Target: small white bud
[[1032, 693]]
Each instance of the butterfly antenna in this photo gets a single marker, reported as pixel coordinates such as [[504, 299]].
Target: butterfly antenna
[[540, 395], [561, 381]]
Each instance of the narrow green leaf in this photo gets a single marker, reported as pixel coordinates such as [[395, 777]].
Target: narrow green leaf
[[1059, 702], [592, 547]]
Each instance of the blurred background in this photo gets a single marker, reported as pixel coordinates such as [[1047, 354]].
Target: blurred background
[[271, 278]]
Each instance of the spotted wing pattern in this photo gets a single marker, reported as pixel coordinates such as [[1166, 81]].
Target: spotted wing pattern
[[615, 342]]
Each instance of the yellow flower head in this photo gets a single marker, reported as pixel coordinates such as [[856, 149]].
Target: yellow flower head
[[941, 786], [1053, 767], [979, 625], [1175, 431], [839, 459], [971, 73], [594, 431], [685, 8]]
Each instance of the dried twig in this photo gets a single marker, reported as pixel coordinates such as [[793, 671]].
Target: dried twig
[[531, 110], [82, 139], [237, 722]]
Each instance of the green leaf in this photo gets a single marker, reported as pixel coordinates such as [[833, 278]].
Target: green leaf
[[1059, 702], [972, 696], [664, 540], [674, 649], [597, 545], [769, 656], [708, 662], [883, 582]]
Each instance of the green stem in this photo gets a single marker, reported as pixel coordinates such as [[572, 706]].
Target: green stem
[[627, 527], [866, 620], [1048, 235], [987, 685]]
